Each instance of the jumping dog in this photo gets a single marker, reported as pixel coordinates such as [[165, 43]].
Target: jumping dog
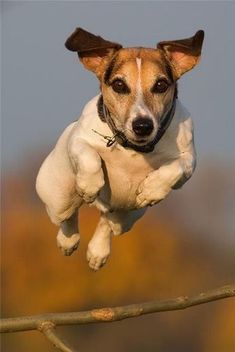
[[132, 144]]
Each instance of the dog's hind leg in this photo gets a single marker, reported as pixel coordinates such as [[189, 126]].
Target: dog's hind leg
[[121, 221], [56, 186], [100, 244], [68, 236], [110, 224]]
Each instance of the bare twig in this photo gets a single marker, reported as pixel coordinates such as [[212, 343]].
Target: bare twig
[[48, 329], [46, 323]]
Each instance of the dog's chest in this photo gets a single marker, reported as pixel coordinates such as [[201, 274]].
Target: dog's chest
[[124, 170]]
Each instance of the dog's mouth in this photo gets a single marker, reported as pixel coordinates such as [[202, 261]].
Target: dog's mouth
[[140, 141], [144, 145]]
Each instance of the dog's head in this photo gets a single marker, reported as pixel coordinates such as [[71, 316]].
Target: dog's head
[[138, 84]]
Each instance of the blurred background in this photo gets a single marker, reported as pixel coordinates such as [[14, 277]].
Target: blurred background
[[183, 246]]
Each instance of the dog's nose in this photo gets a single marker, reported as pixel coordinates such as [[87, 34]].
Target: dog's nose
[[142, 126]]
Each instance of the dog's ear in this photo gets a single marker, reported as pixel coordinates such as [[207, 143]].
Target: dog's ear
[[93, 51], [183, 54]]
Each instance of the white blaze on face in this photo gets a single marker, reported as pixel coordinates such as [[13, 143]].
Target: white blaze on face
[[139, 108], [139, 95]]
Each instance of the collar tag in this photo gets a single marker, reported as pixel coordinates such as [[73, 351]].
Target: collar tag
[[110, 140]]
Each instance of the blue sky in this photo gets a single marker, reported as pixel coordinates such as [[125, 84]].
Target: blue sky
[[44, 87]]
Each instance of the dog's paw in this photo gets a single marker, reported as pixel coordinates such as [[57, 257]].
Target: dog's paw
[[98, 252], [89, 186], [67, 244], [151, 191]]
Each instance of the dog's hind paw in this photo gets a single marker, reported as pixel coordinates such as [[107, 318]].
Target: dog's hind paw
[[96, 262], [67, 244], [97, 254]]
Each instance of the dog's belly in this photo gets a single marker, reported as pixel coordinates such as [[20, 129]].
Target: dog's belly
[[123, 174]]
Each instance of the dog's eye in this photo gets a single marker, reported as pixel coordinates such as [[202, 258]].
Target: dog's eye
[[120, 87], [160, 86]]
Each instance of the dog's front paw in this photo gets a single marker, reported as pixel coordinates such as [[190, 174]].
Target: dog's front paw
[[98, 252], [151, 191], [89, 186]]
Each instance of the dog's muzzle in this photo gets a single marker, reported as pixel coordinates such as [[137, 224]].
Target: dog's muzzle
[[142, 128]]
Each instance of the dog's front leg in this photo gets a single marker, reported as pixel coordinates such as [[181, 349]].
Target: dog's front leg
[[88, 169], [158, 184]]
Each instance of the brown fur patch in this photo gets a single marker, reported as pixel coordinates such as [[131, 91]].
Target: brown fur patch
[[123, 65]]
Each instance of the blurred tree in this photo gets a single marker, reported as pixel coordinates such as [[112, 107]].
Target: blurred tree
[[157, 259]]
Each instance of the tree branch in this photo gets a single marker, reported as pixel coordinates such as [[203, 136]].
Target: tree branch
[[48, 329], [114, 314], [46, 323]]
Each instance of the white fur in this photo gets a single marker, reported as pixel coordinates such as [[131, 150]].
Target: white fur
[[139, 108], [73, 173]]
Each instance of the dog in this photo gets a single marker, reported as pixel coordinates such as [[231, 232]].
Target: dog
[[132, 144]]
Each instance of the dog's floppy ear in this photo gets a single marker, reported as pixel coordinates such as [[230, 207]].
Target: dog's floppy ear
[[183, 54], [92, 50]]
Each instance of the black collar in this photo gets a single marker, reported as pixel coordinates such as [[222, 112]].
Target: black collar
[[119, 136]]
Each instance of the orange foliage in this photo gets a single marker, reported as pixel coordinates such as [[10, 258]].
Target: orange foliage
[[154, 260], [223, 327]]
